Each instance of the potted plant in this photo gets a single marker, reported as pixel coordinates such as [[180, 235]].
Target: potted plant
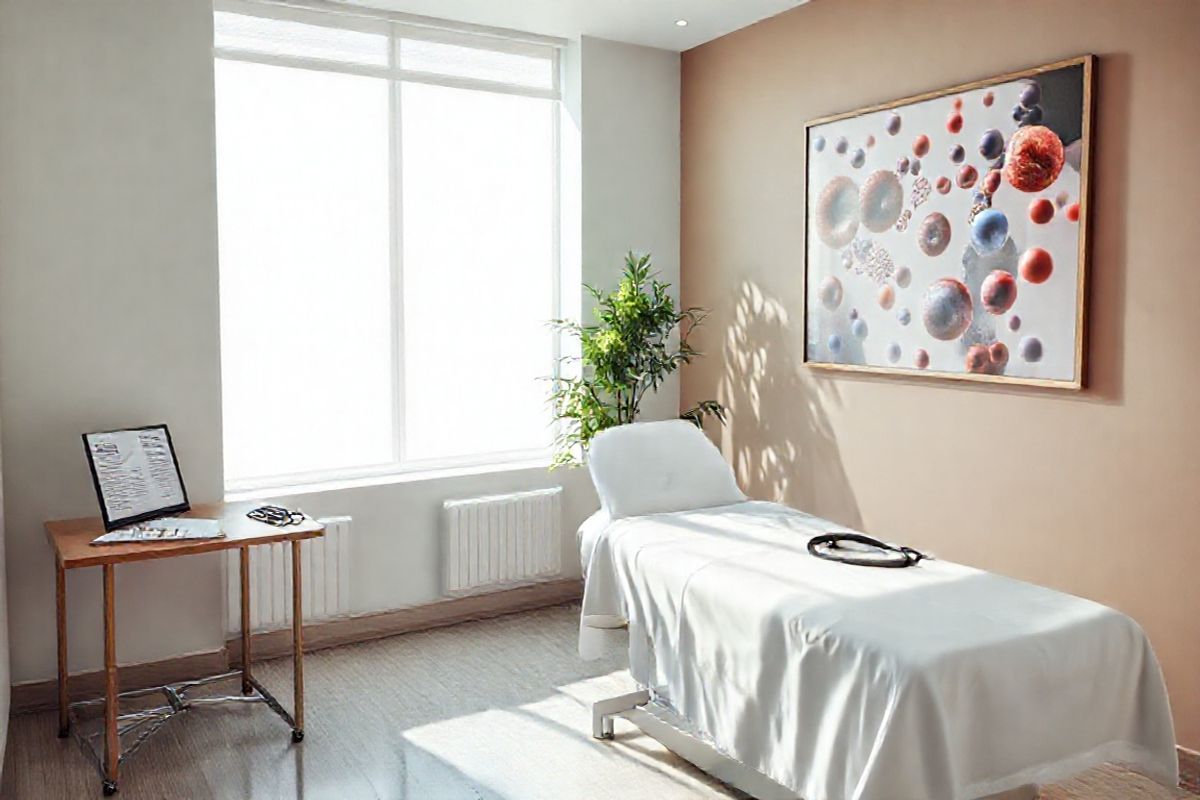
[[627, 353]]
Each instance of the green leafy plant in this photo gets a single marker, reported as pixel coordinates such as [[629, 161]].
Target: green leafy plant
[[628, 353]]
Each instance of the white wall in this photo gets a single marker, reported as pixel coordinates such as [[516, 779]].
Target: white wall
[[107, 201], [108, 299], [630, 155]]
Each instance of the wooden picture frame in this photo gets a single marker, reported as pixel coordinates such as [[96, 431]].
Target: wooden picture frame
[[830, 158]]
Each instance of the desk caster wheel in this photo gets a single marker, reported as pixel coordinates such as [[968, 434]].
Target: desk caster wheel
[[297, 736], [110, 788]]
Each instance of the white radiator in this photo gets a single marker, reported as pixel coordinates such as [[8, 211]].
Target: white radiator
[[324, 570], [491, 542]]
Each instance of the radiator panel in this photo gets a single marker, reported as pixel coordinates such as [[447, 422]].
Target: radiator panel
[[325, 573], [493, 542]]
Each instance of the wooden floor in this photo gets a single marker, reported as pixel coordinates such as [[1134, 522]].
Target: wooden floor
[[494, 710]]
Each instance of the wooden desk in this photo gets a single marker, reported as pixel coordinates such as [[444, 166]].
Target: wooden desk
[[71, 540]]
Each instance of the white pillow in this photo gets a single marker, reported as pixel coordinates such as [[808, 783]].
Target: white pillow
[[655, 467]]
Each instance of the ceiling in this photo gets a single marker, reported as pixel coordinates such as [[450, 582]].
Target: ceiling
[[646, 22]]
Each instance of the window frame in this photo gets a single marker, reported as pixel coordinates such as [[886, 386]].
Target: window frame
[[398, 27]]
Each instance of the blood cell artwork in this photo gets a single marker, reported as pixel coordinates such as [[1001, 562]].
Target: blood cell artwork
[[973, 270]]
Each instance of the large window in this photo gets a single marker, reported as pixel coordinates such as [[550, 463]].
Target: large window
[[388, 244]]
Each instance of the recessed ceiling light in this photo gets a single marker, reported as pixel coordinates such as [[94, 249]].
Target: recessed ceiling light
[[681, 23]]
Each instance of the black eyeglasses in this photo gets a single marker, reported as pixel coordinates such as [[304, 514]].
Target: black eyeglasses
[[278, 516]]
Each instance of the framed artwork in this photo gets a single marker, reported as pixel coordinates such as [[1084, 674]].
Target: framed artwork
[[946, 234]]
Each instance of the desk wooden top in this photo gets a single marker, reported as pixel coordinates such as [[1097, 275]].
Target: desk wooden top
[[72, 538]]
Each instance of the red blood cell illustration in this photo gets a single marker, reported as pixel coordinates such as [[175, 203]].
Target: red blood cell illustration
[[954, 122], [830, 292], [1072, 212], [1041, 211], [921, 359], [998, 352], [1036, 265], [943, 185], [920, 145], [991, 181], [837, 212], [998, 292], [958, 104], [934, 235], [978, 359], [988, 99], [1035, 157], [870, 141], [881, 201], [946, 309], [967, 177], [887, 296]]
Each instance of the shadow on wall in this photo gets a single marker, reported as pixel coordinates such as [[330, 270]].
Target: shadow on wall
[[779, 437]]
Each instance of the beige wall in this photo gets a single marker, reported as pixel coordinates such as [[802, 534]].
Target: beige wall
[[1095, 494]]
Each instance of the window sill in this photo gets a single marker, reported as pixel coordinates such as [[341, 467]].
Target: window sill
[[408, 476]]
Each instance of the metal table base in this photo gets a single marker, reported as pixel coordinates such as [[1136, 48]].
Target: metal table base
[[137, 727]]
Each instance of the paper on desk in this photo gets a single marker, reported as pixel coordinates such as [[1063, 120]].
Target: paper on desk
[[165, 529], [135, 471]]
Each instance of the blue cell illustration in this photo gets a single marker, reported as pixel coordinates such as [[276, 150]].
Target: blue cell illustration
[[991, 144], [1031, 95], [989, 231], [859, 328], [819, 143], [1030, 349], [835, 343], [893, 352]]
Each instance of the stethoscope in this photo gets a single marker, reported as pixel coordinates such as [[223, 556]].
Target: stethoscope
[[828, 546], [278, 516]]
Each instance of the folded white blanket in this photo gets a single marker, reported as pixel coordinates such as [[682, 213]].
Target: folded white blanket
[[937, 682]]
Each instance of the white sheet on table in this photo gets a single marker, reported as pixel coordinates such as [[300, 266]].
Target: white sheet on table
[[848, 683]]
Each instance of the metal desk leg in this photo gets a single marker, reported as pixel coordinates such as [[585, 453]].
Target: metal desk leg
[[112, 743], [297, 644], [60, 586], [244, 553]]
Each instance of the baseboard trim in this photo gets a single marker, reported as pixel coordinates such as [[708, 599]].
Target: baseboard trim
[[1189, 770], [41, 695], [377, 625]]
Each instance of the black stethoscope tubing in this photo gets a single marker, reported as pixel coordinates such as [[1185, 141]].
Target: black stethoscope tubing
[[833, 551]]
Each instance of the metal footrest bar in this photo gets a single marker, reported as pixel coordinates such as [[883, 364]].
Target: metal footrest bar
[[147, 722], [273, 704]]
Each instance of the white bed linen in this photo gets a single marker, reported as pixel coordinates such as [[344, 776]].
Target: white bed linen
[[938, 682]]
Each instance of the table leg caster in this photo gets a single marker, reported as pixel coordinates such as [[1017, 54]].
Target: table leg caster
[[297, 736], [110, 788]]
